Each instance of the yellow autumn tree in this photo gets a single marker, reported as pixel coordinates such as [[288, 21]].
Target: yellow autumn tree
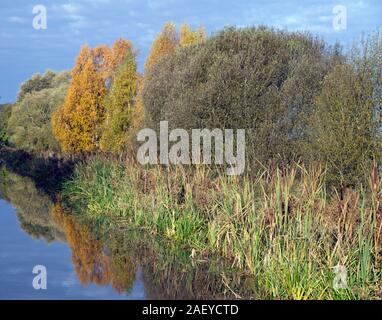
[[190, 37], [165, 43], [120, 49], [101, 56], [168, 40], [77, 124]]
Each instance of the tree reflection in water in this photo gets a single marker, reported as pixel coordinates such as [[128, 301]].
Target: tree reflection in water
[[90, 259], [32, 206], [114, 258]]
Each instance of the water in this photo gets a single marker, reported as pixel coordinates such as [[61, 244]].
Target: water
[[126, 264], [19, 253]]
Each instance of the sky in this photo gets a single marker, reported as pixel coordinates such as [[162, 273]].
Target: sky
[[25, 50]]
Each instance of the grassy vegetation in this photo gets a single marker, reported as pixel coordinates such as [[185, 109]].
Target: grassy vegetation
[[279, 227], [296, 97]]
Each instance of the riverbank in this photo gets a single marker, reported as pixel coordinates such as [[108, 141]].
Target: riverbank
[[281, 228], [104, 263]]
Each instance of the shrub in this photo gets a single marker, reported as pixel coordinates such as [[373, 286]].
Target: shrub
[[256, 79], [345, 127]]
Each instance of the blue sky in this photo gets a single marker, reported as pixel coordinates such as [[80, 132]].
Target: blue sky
[[71, 23]]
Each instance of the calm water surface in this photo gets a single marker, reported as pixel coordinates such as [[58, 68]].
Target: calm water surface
[[20, 252], [123, 264]]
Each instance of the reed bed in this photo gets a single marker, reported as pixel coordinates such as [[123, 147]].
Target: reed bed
[[280, 227]]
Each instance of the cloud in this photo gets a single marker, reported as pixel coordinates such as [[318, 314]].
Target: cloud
[[98, 1], [75, 13], [16, 19], [159, 4], [71, 8], [74, 22]]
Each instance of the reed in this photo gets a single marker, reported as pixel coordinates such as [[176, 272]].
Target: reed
[[280, 226]]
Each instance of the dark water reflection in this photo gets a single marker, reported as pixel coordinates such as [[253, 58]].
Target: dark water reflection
[[19, 253], [35, 230], [29, 236]]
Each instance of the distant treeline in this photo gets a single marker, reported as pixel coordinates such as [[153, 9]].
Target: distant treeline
[[297, 97]]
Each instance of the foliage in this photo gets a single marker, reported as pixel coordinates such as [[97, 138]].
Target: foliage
[[343, 131], [169, 39], [345, 127], [78, 123], [29, 126], [165, 43], [119, 106], [256, 79], [191, 37], [279, 226], [118, 53], [5, 113], [36, 83], [293, 96]]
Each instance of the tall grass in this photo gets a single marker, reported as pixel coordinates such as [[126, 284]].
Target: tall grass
[[280, 227]]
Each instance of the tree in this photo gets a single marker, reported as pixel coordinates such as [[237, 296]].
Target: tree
[[36, 83], [168, 40], [5, 113], [108, 60], [257, 79], [29, 125], [191, 37], [101, 56], [119, 106], [119, 51], [77, 124], [165, 43], [345, 127]]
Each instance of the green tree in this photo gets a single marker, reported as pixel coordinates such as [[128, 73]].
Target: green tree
[[36, 83], [119, 106], [345, 127], [5, 113], [29, 125], [257, 79]]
